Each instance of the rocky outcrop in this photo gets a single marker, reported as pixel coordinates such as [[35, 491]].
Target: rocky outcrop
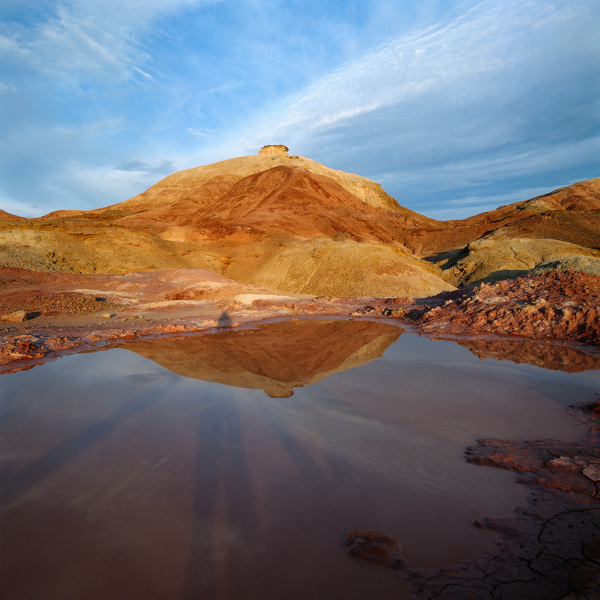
[[493, 258], [554, 305], [274, 150]]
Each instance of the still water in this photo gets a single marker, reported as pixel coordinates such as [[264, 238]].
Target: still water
[[231, 465]]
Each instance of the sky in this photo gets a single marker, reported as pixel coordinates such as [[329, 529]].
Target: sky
[[454, 106]]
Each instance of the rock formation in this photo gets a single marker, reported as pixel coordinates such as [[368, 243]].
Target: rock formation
[[290, 223]]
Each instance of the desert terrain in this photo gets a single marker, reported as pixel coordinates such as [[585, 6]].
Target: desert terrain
[[275, 235], [281, 238]]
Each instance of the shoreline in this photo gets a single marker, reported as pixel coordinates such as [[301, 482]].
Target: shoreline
[[44, 316]]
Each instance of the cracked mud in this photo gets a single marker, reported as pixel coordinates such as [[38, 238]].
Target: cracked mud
[[550, 550]]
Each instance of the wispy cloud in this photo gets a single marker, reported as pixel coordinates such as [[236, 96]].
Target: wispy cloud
[[504, 90], [96, 40], [437, 101], [201, 133]]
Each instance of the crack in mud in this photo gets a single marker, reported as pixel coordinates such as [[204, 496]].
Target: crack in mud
[[548, 551]]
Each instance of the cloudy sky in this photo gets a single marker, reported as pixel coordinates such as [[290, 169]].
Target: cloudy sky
[[454, 106]]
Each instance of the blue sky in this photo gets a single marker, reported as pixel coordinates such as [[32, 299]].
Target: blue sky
[[455, 107]]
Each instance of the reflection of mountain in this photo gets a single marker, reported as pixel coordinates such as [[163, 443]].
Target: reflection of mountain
[[277, 357], [547, 356]]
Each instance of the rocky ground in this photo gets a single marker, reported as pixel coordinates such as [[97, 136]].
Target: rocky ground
[[550, 550], [46, 314], [553, 305]]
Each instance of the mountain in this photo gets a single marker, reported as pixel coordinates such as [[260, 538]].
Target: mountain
[[292, 224]]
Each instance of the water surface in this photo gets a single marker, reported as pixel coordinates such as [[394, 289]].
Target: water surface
[[138, 473]]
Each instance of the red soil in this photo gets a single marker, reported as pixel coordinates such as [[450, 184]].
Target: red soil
[[555, 305]]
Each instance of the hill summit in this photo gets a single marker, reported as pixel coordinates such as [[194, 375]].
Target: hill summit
[[295, 225]]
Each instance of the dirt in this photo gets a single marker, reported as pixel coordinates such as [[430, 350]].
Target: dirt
[[67, 312]]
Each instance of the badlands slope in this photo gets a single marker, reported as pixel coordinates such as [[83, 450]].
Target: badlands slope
[[291, 224]]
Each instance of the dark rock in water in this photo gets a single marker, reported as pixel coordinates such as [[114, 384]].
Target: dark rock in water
[[375, 546]]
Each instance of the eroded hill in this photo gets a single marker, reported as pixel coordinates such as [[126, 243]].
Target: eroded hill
[[291, 224]]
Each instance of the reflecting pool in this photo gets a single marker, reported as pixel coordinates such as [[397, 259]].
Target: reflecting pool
[[231, 465]]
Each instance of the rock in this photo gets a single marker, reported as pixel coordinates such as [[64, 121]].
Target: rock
[[495, 257], [375, 546], [15, 317], [274, 150], [592, 472]]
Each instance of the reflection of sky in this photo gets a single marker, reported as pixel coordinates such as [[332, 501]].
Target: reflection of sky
[[230, 491]]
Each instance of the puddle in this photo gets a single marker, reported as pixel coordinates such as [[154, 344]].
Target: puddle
[[163, 470]]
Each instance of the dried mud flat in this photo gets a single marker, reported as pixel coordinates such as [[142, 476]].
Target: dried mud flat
[[548, 550]]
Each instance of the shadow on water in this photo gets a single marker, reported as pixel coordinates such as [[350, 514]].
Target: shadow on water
[[218, 504], [13, 487], [226, 494]]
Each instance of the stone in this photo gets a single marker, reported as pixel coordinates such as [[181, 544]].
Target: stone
[[375, 546], [592, 472], [15, 317], [274, 150]]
